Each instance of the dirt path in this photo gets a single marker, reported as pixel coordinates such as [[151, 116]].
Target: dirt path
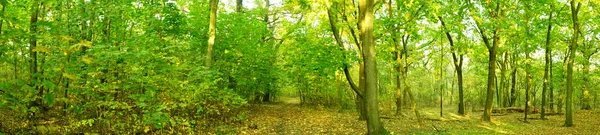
[[288, 117]]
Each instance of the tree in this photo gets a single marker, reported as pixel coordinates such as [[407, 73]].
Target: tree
[[338, 40], [212, 30], [547, 66], [492, 48], [397, 59], [33, 66], [572, 50], [458, 63], [366, 29]]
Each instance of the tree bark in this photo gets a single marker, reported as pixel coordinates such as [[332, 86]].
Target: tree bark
[[527, 85], [572, 49], [513, 87], [212, 32], [397, 58], [492, 50], [548, 60], [551, 94], [586, 100], [33, 67], [458, 62], [373, 123]]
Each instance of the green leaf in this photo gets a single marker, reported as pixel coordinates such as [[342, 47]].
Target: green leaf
[[48, 84], [3, 2], [49, 98]]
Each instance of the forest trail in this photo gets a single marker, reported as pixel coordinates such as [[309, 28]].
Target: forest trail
[[288, 117]]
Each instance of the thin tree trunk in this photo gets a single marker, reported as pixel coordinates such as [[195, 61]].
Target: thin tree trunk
[[586, 99], [441, 81], [212, 32], [397, 58], [513, 87], [32, 45], [338, 40], [548, 60], [551, 82], [527, 86], [458, 67]]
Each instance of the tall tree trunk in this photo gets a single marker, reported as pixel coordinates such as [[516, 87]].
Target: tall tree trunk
[[561, 92], [373, 123], [491, 81], [458, 62], [548, 60], [33, 67], [527, 85], [493, 50], [572, 49], [513, 85], [361, 101], [268, 92], [212, 32], [551, 82], [586, 99], [397, 58], [441, 80]]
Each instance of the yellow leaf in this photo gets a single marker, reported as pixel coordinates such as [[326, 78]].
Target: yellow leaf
[[87, 60], [69, 76], [146, 129], [66, 38], [85, 43], [41, 49]]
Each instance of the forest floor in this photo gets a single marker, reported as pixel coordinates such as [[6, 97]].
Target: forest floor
[[289, 117]]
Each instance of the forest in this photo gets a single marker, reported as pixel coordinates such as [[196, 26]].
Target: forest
[[299, 67]]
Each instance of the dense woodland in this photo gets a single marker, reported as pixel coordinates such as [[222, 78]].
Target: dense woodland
[[299, 67]]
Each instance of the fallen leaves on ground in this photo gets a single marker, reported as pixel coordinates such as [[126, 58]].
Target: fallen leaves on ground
[[289, 117]]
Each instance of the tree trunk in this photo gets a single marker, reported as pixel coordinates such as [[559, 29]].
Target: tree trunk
[[493, 50], [586, 99], [551, 94], [239, 6], [360, 101], [491, 82], [398, 93], [367, 18], [572, 49], [398, 59], [458, 67], [441, 80], [548, 60], [513, 89], [358, 91], [32, 45], [212, 32], [527, 85]]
